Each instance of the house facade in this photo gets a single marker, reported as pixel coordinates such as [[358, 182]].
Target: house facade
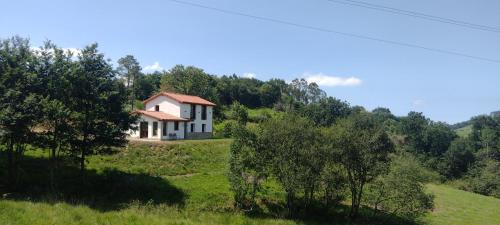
[[172, 116]]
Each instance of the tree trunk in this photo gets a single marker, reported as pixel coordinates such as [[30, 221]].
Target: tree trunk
[[10, 164], [356, 201], [352, 213], [82, 161], [52, 156], [132, 94], [289, 204]]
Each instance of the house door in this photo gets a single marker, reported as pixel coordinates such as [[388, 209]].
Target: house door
[[143, 130]]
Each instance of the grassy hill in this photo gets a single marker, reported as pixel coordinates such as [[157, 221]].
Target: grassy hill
[[453, 206], [464, 131], [182, 182]]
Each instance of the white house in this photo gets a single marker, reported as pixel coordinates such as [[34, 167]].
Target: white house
[[171, 116]]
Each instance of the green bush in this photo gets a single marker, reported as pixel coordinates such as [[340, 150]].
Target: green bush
[[484, 178], [224, 129], [401, 191]]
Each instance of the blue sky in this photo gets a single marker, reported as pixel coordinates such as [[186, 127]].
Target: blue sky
[[163, 33]]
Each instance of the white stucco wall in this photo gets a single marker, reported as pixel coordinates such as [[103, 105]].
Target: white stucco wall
[[166, 104], [170, 129], [198, 121], [142, 118]]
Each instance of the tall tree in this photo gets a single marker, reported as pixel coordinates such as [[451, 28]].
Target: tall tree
[[326, 111], [55, 69], [239, 113], [189, 80], [98, 100], [246, 166], [19, 100], [363, 148], [271, 91], [413, 127], [147, 85], [458, 159], [292, 145], [129, 68]]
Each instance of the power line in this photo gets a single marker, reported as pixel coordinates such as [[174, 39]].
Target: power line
[[268, 19], [416, 15]]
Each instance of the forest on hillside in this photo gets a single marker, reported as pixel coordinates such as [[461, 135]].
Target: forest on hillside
[[320, 150]]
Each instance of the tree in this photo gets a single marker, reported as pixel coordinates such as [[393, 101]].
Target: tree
[[269, 94], [129, 68], [305, 92], [382, 114], [244, 90], [19, 100], [189, 80], [246, 167], [363, 148], [484, 178], [458, 158], [401, 192], [436, 139], [485, 131], [413, 126], [326, 111], [293, 149], [239, 113], [98, 100], [55, 69], [147, 85]]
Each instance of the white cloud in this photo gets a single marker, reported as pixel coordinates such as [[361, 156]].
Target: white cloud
[[418, 103], [249, 75], [331, 81], [155, 67]]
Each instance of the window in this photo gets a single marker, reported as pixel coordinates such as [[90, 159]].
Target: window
[[193, 112], [176, 125], [157, 108], [203, 127], [155, 128], [164, 128], [204, 112], [192, 127]]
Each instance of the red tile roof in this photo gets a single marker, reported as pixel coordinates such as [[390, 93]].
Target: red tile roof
[[160, 115], [182, 98]]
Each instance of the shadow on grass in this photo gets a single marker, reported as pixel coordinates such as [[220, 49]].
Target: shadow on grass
[[317, 213], [105, 190]]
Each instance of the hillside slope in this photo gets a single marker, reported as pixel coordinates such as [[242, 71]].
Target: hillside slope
[[453, 206], [183, 182]]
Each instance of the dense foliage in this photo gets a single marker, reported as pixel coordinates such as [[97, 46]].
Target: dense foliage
[[71, 105], [320, 166]]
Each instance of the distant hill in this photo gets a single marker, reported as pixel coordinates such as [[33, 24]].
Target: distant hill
[[466, 123], [495, 114]]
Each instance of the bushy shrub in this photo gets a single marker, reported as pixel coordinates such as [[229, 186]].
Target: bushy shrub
[[224, 129], [401, 191], [484, 178]]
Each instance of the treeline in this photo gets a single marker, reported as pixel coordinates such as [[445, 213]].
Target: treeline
[[472, 162], [226, 90], [69, 105], [321, 166]]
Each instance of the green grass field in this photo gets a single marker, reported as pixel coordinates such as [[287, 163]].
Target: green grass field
[[453, 206], [182, 182], [464, 131]]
